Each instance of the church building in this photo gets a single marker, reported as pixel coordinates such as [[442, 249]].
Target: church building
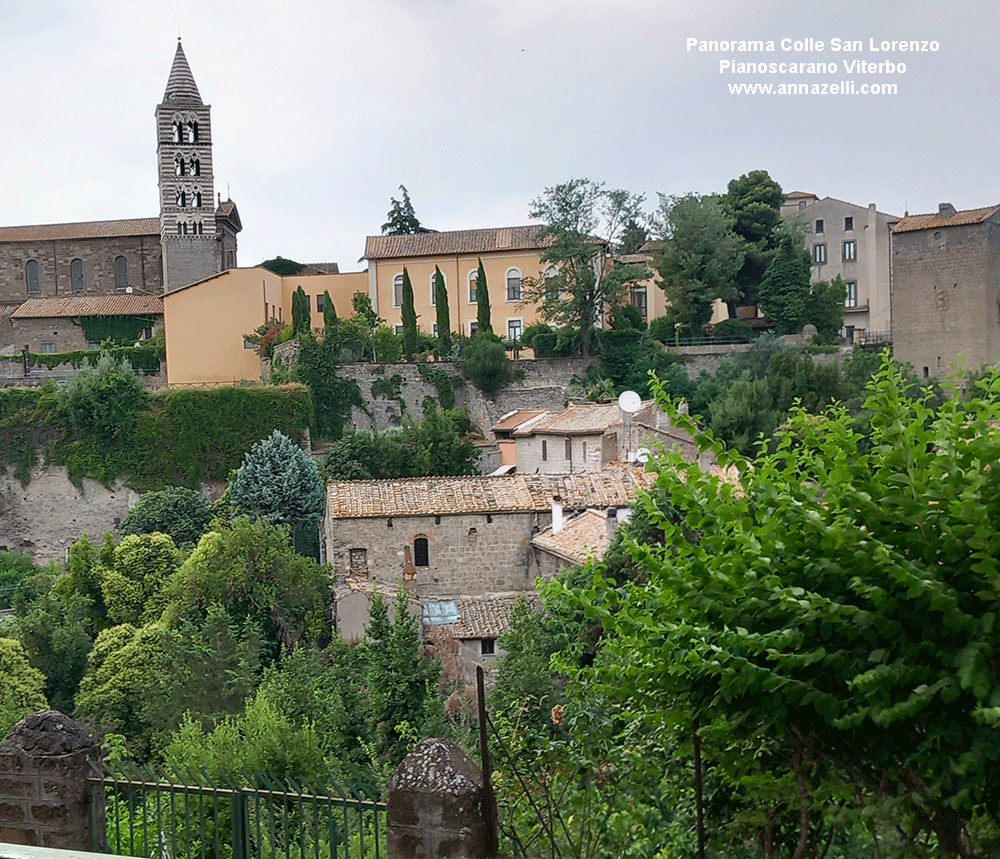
[[193, 238]]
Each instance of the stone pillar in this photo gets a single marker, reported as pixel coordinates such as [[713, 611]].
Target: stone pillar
[[45, 760], [436, 805]]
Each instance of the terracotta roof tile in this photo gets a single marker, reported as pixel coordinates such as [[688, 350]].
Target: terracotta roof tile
[[936, 219], [512, 420], [799, 195], [581, 537], [453, 242], [433, 496], [125, 304], [586, 419], [483, 616], [82, 230]]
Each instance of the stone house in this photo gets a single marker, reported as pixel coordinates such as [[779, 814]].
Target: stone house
[[946, 289], [852, 242], [445, 537], [568, 542], [48, 325]]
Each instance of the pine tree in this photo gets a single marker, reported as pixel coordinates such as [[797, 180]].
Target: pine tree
[[785, 290], [402, 220], [443, 315], [482, 300], [279, 482], [409, 318]]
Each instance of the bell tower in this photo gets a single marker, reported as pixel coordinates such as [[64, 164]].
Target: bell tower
[[190, 237]]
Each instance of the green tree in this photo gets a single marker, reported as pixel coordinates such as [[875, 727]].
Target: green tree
[[409, 316], [754, 203], [401, 219], [484, 362], [279, 482], [483, 321], [634, 236], [699, 261], [329, 316], [21, 685], [836, 605], [282, 266], [178, 511], [826, 307], [133, 583], [443, 314], [583, 222], [14, 569], [785, 290], [301, 315]]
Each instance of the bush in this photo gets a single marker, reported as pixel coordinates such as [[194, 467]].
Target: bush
[[178, 511], [734, 330], [485, 363]]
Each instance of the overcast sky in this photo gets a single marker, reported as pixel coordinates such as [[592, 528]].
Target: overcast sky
[[320, 111]]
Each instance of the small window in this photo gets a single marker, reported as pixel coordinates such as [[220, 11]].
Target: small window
[[850, 250], [178, 165], [569, 449], [848, 224], [196, 198], [473, 280], [397, 291], [48, 348], [191, 130], [434, 329], [487, 646], [31, 277], [819, 225], [473, 327], [76, 275], [121, 272], [802, 205], [819, 253], [195, 166], [514, 284], [514, 330], [545, 451], [320, 303], [639, 299], [434, 292], [249, 344], [181, 199], [851, 295], [420, 551], [177, 130]]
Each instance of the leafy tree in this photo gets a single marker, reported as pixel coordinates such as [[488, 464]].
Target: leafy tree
[[301, 315], [250, 571], [362, 304], [785, 289], [332, 396], [826, 307], [329, 315], [484, 362], [409, 316], [483, 321], [21, 685], [387, 345], [14, 569], [700, 259], [754, 202], [279, 482], [178, 511], [443, 314], [282, 266], [132, 584], [583, 220], [837, 606], [401, 219]]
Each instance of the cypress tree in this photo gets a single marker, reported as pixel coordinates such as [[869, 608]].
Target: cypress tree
[[329, 314], [300, 312], [482, 300], [409, 318], [443, 315]]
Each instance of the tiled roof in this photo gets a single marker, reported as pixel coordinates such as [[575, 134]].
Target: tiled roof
[[82, 230], [127, 304], [433, 496], [936, 219], [320, 268], [799, 195], [588, 419], [455, 242], [483, 616], [581, 537], [514, 419], [180, 85]]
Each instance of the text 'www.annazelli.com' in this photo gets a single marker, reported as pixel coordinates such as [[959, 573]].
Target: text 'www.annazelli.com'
[[841, 88]]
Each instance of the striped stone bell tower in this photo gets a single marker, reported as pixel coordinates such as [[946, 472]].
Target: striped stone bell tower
[[192, 244]]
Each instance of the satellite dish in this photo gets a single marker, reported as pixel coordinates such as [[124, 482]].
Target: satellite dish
[[642, 455], [629, 402]]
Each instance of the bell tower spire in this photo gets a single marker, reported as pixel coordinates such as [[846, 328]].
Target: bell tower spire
[[191, 247]]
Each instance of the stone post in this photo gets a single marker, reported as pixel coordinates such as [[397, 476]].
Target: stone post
[[436, 805], [45, 760]]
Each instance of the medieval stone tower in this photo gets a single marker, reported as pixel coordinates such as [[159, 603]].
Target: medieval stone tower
[[198, 236]]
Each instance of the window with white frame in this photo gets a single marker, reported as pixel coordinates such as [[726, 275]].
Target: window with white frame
[[819, 252], [514, 329], [514, 284], [398, 328], [397, 291], [473, 327], [433, 291], [851, 294], [473, 279], [850, 250]]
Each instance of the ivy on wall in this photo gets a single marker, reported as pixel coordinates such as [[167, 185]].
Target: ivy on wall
[[124, 330]]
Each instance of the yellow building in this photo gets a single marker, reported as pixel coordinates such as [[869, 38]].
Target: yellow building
[[206, 322], [509, 254]]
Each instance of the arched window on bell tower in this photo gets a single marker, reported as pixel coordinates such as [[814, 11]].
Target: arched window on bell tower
[[191, 132], [195, 165], [181, 199], [178, 131], [179, 165]]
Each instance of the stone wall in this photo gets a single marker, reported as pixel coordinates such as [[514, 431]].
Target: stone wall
[[45, 760]]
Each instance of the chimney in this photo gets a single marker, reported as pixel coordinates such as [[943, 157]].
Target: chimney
[[557, 514], [946, 210], [612, 522]]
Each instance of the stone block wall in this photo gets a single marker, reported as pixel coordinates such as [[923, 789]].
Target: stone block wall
[[45, 761]]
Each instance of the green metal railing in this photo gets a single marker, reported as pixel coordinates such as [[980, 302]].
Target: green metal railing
[[159, 818]]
